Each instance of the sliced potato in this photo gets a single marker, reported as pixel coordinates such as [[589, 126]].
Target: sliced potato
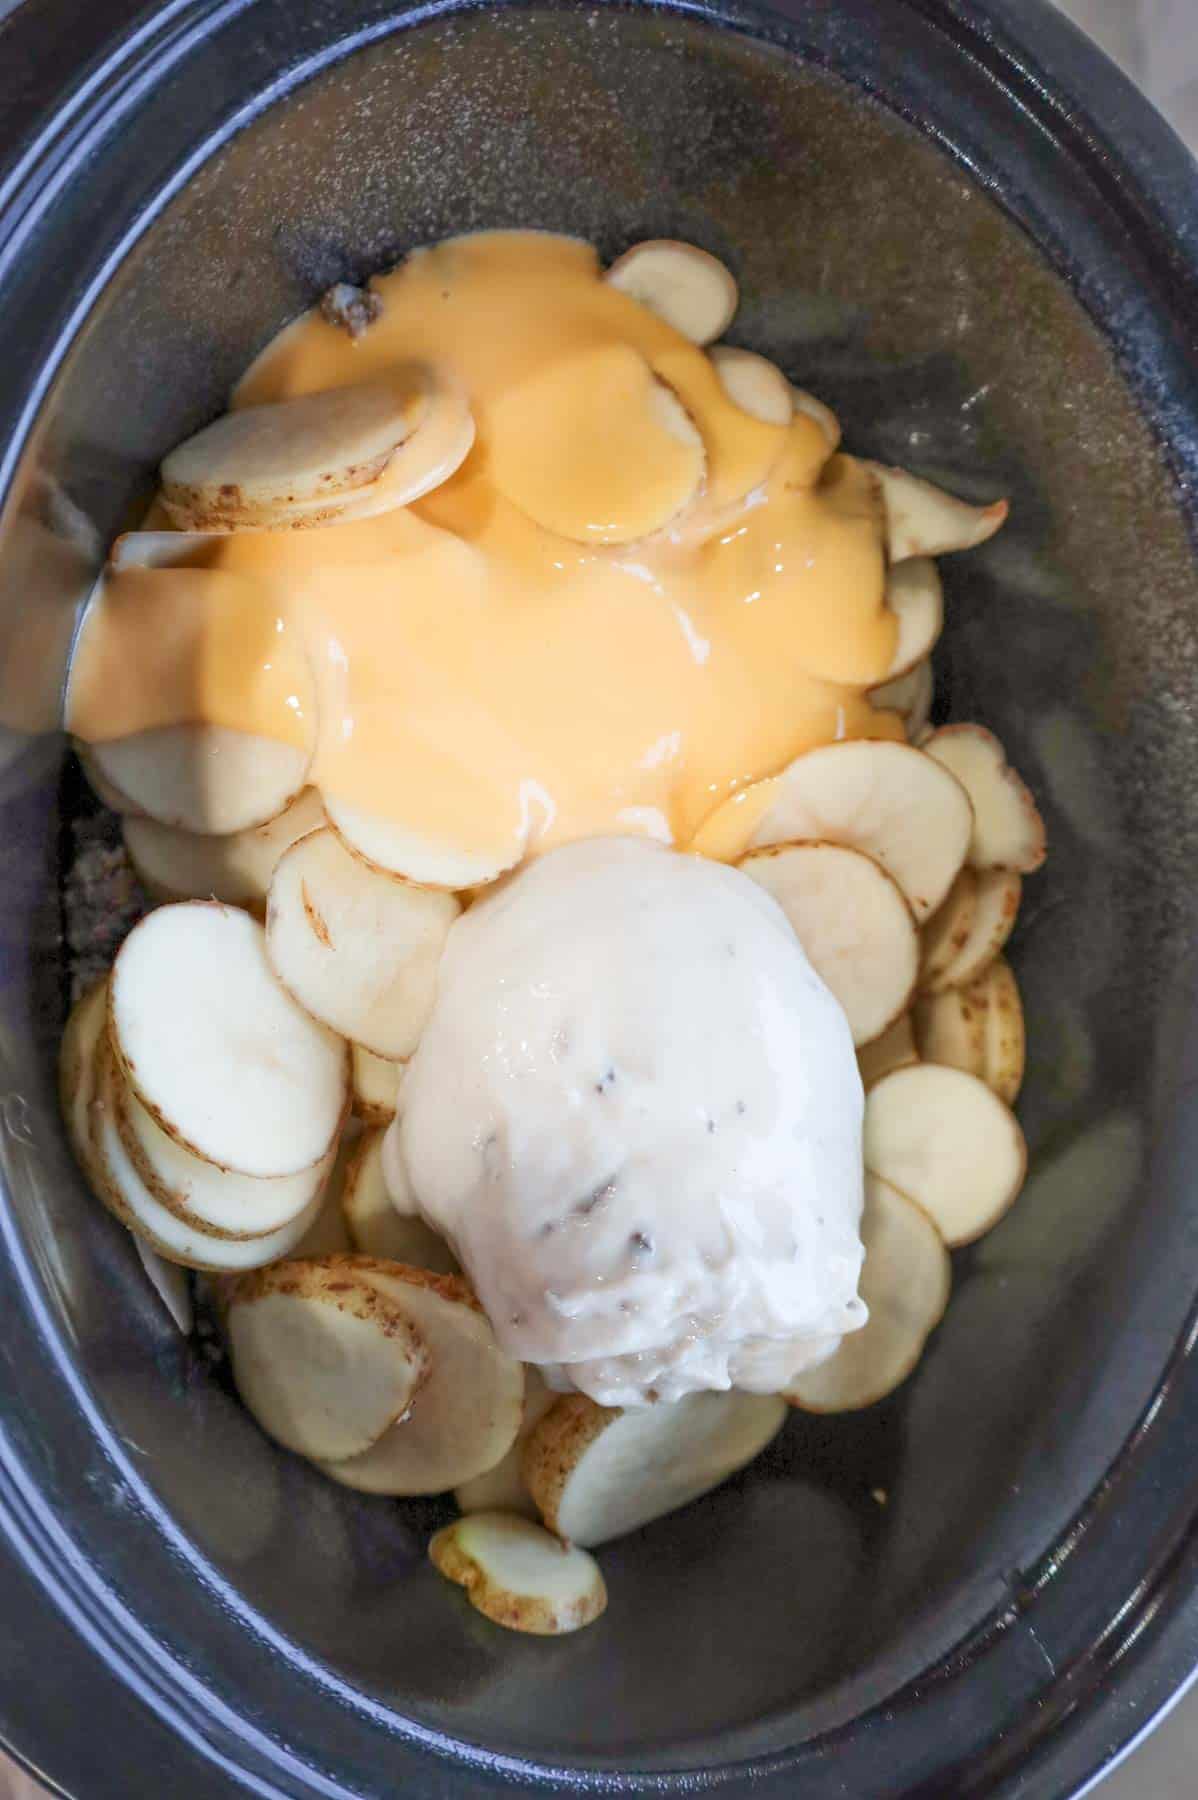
[[1008, 832], [376, 1081], [466, 1416], [754, 384], [824, 417], [219, 1201], [519, 1574], [895, 1049], [905, 1283], [947, 931], [950, 1028], [854, 925], [258, 465], [199, 778], [328, 1234], [106, 791], [597, 1472], [685, 286], [996, 994], [323, 1360], [946, 1141], [915, 595], [358, 949], [910, 697], [922, 520], [996, 909], [883, 799], [185, 865], [376, 1224], [77, 1068], [503, 1488], [170, 1283], [122, 1191], [216, 1051], [159, 549], [397, 851]]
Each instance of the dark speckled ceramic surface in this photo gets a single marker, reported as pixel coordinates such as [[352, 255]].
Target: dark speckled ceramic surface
[[866, 1557]]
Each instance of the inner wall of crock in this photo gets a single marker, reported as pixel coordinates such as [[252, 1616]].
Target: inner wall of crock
[[876, 274]]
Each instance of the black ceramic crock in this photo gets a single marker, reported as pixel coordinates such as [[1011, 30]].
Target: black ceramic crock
[[955, 221]]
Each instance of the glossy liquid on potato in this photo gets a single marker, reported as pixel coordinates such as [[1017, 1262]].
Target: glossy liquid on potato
[[480, 678]]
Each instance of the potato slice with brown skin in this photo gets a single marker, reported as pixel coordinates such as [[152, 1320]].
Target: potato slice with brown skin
[[260, 463], [199, 778], [996, 995], [895, 1049], [855, 927], [915, 595], [884, 799], [217, 1051], [376, 1225], [503, 1488], [520, 1575], [922, 520], [120, 1188], [394, 850], [358, 949], [944, 1139], [323, 1360], [466, 1416], [328, 1234], [77, 1067], [754, 384], [597, 1472], [910, 697], [1008, 832], [950, 1028], [106, 791], [187, 865], [947, 931], [376, 1082], [996, 909], [685, 286], [905, 1282]]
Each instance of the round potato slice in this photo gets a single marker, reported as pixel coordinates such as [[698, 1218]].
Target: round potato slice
[[825, 418], [910, 697], [77, 1068], [184, 865], [685, 286], [159, 549], [895, 1049], [915, 595], [996, 908], [358, 949], [376, 1081], [950, 1028], [503, 1488], [379, 1227], [597, 1472], [946, 1141], [393, 849], [466, 1416], [519, 1574], [260, 463], [855, 927], [905, 1282], [328, 1234], [122, 1191], [886, 800], [1008, 832], [754, 384], [106, 791], [200, 778], [323, 1360], [996, 995], [947, 931], [214, 1200], [217, 1051], [922, 520]]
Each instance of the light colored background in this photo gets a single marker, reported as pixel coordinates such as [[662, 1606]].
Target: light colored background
[[1157, 42]]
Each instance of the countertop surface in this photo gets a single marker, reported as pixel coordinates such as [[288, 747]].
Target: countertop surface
[[1156, 41]]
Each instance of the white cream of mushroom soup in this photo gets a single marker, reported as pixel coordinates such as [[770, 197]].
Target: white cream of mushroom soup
[[636, 1114]]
